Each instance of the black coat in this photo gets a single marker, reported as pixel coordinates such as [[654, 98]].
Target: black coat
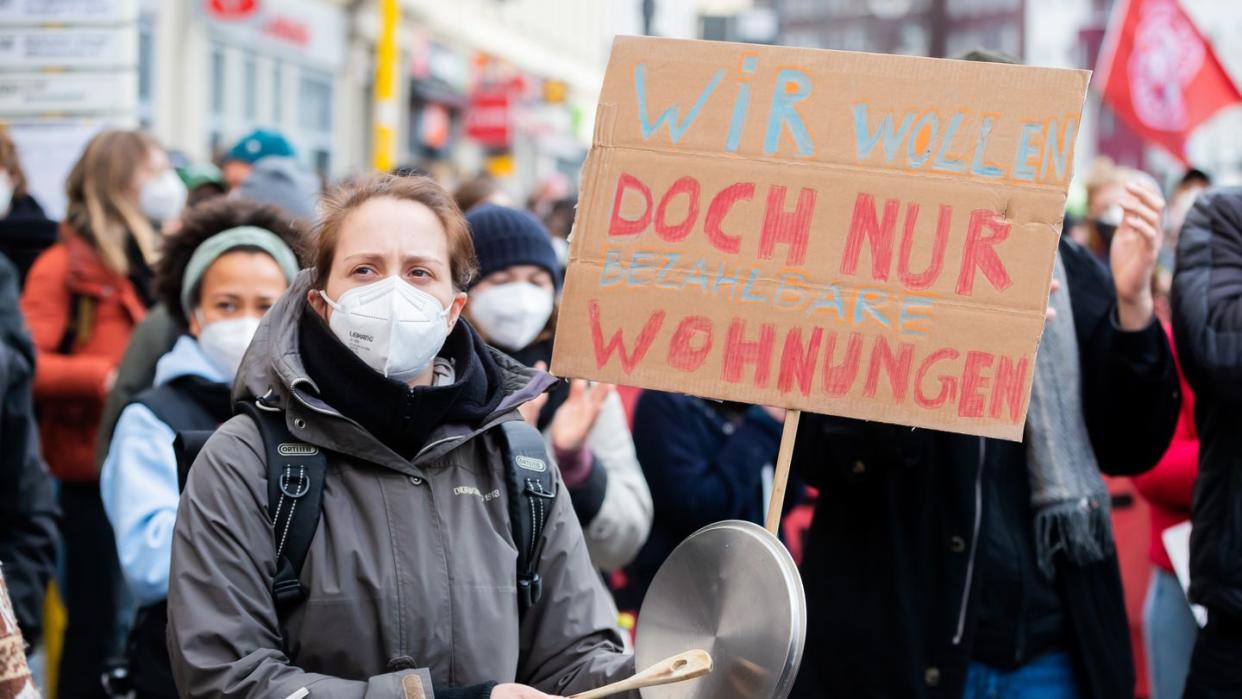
[[25, 232], [1207, 324], [891, 557], [28, 512]]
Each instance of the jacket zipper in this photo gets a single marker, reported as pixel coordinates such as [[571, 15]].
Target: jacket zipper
[[974, 544]]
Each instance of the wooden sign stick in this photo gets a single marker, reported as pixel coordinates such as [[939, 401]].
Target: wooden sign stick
[[781, 478]]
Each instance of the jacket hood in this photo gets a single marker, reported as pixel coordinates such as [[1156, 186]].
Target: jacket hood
[[186, 358], [273, 372]]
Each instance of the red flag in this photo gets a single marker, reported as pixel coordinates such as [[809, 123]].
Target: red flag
[[1160, 75]]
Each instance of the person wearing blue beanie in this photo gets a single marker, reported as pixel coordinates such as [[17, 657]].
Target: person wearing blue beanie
[[250, 149], [505, 237], [512, 305]]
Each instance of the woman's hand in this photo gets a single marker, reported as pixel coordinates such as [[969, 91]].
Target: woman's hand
[[577, 415], [1133, 255], [518, 691]]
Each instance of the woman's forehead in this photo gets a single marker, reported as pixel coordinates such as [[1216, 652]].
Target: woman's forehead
[[387, 225]]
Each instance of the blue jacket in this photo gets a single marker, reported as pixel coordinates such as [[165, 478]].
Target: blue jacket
[[139, 478], [702, 467]]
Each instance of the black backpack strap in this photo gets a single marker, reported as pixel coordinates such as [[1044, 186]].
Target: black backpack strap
[[295, 479], [79, 323], [187, 445], [531, 490]]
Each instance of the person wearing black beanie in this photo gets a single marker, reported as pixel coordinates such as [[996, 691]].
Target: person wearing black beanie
[[512, 305]]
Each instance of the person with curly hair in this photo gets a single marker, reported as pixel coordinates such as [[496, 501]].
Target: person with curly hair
[[228, 264]]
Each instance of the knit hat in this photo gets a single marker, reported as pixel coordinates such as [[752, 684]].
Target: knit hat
[[285, 183], [505, 237], [198, 174], [259, 144]]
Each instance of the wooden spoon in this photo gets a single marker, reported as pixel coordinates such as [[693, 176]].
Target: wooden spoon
[[679, 668]]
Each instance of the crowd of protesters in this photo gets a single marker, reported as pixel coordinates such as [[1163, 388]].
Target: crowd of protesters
[[392, 337]]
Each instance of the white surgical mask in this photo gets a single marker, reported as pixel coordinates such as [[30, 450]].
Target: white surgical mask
[[512, 315], [393, 326], [225, 341], [163, 197], [6, 193]]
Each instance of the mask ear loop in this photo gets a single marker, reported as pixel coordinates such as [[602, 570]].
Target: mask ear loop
[[323, 294]]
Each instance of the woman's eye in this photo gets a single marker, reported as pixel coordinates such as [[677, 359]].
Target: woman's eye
[[363, 271], [226, 306], [420, 272]]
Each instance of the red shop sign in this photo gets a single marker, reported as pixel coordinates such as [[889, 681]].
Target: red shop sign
[[232, 9], [488, 119]]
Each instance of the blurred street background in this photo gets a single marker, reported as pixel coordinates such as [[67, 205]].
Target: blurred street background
[[506, 87]]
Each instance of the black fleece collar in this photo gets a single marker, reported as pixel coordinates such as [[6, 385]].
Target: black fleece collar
[[400, 416]]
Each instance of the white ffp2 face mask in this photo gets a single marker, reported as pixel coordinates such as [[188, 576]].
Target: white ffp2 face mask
[[163, 197], [512, 315], [225, 341], [393, 326]]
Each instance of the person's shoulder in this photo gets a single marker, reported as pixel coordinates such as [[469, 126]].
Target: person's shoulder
[[663, 400], [665, 410], [1085, 272], [52, 261], [1217, 212], [26, 207], [233, 457]]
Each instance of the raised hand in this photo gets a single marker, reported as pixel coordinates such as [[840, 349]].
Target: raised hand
[[1133, 253], [577, 415]]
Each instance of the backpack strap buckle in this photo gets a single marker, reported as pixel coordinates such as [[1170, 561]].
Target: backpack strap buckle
[[531, 491], [530, 590], [286, 589]]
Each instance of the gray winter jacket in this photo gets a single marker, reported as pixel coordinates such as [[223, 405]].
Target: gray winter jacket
[[411, 574]]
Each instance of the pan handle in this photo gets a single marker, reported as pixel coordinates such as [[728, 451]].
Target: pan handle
[[679, 668]]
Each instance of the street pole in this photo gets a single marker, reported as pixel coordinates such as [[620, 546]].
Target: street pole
[[387, 54]]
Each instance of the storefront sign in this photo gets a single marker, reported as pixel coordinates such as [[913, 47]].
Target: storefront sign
[[67, 93], [489, 120], [62, 48], [313, 30], [67, 11]]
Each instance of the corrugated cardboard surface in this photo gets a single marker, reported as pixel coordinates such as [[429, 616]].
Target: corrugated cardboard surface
[[742, 300]]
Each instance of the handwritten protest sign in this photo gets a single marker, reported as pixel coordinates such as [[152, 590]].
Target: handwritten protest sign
[[845, 233]]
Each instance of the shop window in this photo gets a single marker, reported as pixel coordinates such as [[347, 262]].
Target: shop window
[[314, 128], [278, 93], [217, 80], [146, 68], [250, 78], [315, 102]]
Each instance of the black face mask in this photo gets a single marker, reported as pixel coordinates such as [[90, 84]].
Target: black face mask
[[1105, 231]]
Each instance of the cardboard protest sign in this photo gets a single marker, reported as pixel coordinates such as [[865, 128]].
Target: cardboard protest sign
[[845, 233]]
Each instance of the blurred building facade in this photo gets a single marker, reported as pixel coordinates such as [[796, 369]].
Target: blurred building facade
[[483, 83], [1057, 33]]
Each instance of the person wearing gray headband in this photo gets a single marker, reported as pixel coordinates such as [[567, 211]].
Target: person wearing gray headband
[[219, 274]]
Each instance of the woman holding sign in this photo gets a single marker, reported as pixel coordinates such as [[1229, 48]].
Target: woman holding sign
[[398, 439]]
